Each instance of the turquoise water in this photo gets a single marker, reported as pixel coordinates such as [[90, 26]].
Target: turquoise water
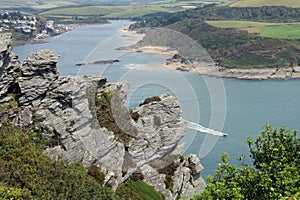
[[245, 106]]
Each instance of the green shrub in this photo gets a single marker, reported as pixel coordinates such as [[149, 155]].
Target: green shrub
[[95, 172], [24, 167], [132, 190], [274, 174], [14, 193]]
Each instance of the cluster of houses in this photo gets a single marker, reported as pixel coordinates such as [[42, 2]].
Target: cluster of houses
[[29, 25]]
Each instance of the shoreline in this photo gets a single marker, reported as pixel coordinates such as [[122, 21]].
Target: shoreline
[[209, 69], [30, 41], [42, 40]]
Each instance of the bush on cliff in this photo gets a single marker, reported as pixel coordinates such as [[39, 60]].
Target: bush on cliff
[[132, 190], [275, 173], [27, 173]]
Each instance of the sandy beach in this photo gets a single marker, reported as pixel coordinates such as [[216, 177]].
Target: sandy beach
[[149, 49], [209, 69]]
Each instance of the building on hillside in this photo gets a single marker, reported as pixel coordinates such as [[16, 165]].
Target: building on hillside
[[49, 24], [27, 31]]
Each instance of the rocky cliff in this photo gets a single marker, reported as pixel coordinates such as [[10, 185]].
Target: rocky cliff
[[86, 120]]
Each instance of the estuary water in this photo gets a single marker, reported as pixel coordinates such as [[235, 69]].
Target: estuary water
[[239, 108]]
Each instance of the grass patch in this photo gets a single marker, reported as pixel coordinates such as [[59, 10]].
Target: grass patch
[[289, 31], [41, 4], [239, 24], [11, 105], [272, 30], [137, 11], [260, 3], [138, 190]]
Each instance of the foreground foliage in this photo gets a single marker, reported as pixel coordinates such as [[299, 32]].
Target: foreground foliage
[[131, 190], [26, 173], [275, 173]]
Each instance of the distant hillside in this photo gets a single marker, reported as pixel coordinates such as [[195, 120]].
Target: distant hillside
[[259, 3], [32, 5], [233, 48]]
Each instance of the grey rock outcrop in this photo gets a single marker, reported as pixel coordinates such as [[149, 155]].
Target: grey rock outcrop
[[9, 66], [160, 128], [65, 109], [39, 72], [187, 179]]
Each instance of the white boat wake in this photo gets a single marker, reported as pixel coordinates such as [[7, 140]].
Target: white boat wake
[[198, 127]]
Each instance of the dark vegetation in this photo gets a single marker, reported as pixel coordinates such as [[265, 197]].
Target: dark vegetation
[[95, 172], [150, 100], [229, 47], [169, 171], [118, 120], [135, 115], [27, 173], [275, 173], [213, 12], [94, 19], [264, 13]]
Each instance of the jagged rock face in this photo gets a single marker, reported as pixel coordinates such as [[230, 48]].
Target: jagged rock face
[[160, 124], [65, 109], [9, 66], [39, 72], [187, 179]]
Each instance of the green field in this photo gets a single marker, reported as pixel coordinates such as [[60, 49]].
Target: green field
[[136, 11], [49, 4], [259, 3], [41, 4], [104, 8], [108, 11], [46, 4], [273, 30], [289, 31], [121, 11]]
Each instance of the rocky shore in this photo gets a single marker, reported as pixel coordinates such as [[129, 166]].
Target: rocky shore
[[87, 120], [243, 74]]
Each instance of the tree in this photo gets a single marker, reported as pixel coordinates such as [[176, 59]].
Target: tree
[[275, 173]]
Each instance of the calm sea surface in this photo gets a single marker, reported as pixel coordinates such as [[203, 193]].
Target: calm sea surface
[[239, 108]]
